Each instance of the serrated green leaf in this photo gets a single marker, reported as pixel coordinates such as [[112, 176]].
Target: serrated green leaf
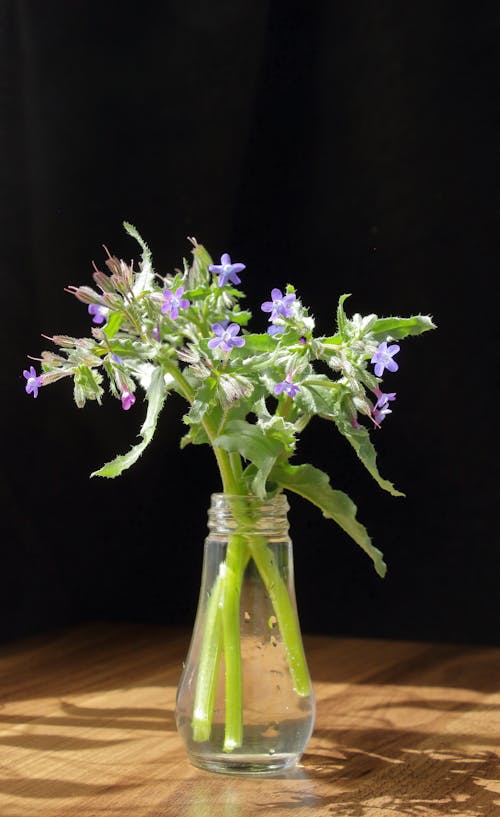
[[314, 485], [341, 317], [113, 324], [255, 446], [322, 396], [156, 396], [144, 278], [398, 328], [134, 232], [363, 446]]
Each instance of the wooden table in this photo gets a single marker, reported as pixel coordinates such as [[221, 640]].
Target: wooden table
[[87, 728]]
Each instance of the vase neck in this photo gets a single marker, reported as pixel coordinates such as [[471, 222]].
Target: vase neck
[[249, 515]]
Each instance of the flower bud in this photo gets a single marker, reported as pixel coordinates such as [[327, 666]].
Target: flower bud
[[51, 359], [103, 281], [85, 294], [51, 377], [112, 300], [65, 341]]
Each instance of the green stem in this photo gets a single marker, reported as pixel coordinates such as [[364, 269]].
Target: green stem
[[235, 567], [226, 597], [223, 611], [285, 613], [208, 670]]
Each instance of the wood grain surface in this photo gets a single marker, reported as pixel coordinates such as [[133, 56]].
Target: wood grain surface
[[87, 728]]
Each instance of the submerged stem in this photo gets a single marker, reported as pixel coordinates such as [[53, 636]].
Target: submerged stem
[[235, 566], [208, 670], [285, 613]]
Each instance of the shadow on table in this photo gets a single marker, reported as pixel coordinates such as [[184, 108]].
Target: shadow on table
[[70, 718], [379, 772], [409, 781], [73, 717]]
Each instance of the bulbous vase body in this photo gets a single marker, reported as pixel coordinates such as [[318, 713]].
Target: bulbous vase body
[[245, 703]]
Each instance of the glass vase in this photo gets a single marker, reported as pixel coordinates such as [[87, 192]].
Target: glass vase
[[245, 704]]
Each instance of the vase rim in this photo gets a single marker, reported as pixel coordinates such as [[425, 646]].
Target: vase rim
[[280, 498]]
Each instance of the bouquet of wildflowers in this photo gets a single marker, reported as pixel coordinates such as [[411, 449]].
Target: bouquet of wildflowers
[[248, 394]]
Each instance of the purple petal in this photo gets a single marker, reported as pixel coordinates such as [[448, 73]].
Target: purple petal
[[179, 291], [238, 267], [233, 329], [391, 366], [214, 342], [238, 341], [225, 259], [276, 294], [392, 350], [379, 369], [128, 400], [217, 329], [279, 387], [267, 306], [275, 330], [216, 268]]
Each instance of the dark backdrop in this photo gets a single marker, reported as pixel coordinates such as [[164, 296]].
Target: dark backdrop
[[347, 147]]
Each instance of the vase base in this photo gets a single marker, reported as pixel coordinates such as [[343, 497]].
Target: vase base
[[246, 765]]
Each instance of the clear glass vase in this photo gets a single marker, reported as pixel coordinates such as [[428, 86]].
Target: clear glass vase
[[245, 704]]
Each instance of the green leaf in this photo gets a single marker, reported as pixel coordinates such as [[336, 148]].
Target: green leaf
[[202, 256], [323, 394], [87, 385], [259, 343], [341, 317], [398, 328], [363, 446], [314, 485], [143, 279], [156, 396], [240, 316], [113, 324], [254, 445], [134, 232]]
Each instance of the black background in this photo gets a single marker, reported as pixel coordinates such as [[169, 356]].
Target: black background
[[345, 147]]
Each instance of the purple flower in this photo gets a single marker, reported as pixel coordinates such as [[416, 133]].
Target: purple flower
[[116, 358], [128, 400], [226, 270], [280, 306], [383, 358], [99, 313], [33, 381], [225, 338], [385, 398], [276, 329], [287, 387], [381, 408], [173, 301]]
